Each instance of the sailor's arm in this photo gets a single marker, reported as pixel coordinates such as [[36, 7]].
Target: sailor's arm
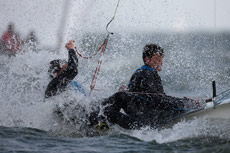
[[73, 60], [66, 75]]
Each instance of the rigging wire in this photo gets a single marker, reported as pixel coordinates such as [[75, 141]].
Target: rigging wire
[[115, 12], [103, 49], [107, 26]]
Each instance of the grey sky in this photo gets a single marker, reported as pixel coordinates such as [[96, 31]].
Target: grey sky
[[92, 15], [160, 14]]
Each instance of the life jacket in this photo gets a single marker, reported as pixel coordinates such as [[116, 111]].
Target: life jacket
[[77, 87]]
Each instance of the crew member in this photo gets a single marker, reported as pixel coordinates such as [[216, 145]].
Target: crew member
[[144, 102], [63, 72], [11, 40]]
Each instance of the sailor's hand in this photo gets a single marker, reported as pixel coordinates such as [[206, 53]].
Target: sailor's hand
[[70, 45]]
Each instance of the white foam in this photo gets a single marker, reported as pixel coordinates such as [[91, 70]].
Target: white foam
[[184, 130]]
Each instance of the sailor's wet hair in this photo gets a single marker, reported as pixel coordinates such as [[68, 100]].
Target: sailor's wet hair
[[151, 49], [55, 66]]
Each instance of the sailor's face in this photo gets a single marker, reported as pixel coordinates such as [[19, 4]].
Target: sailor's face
[[155, 62]]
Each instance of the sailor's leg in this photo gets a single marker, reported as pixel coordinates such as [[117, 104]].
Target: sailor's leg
[[116, 102], [170, 108], [111, 109], [113, 103], [125, 121], [93, 117]]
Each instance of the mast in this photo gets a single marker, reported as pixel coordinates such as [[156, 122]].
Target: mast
[[63, 22]]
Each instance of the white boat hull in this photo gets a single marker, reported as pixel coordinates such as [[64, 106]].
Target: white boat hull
[[221, 111]]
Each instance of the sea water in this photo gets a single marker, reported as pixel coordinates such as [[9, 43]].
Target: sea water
[[28, 124]]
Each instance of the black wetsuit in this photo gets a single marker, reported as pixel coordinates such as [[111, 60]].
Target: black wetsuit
[[59, 83], [144, 104]]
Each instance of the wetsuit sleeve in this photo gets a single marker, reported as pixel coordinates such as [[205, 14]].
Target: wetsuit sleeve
[[59, 83]]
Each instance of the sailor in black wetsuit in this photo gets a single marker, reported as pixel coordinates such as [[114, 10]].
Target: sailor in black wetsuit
[[144, 102], [64, 74]]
